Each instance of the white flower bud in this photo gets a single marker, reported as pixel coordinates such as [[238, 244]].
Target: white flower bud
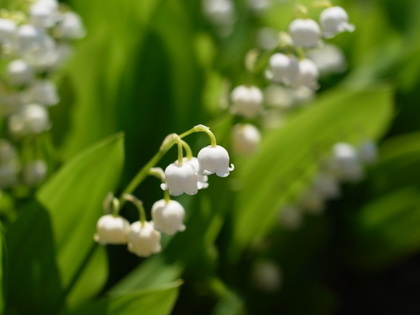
[[7, 30], [168, 216], [34, 172], [214, 160], [368, 152], [266, 276], [267, 38], [43, 92], [112, 230], [32, 120], [19, 72], [246, 138], [42, 15], [246, 101], [290, 217], [328, 59], [143, 240], [308, 74], [71, 26], [345, 162], [180, 178], [284, 68], [334, 20], [305, 33]]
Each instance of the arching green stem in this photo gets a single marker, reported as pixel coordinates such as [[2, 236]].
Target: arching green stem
[[139, 205]]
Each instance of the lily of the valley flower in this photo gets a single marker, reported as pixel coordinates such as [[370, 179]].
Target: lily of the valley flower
[[305, 33], [168, 216], [308, 74], [334, 20], [214, 160], [19, 72], [143, 239], [245, 138], [111, 230], [180, 178], [247, 101], [284, 68]]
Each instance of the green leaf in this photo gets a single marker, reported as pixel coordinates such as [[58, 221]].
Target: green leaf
[[73, 199], [159, 301], [290, 155], [2, 271]]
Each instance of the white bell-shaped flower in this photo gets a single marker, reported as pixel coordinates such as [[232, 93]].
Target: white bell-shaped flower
[[202, 180], [305, 33], [7, 30], [284, 68], [334, 20], [32, 120], [346, 163], [214, 159], [70, 26], [42, 14], [143, 239], [43, 92], [308, 74], [328, 59], [19, 72], [180, 178], [168, 216], [27, 37], [34, 172], [112, 229], [368, 152], [247, 101], [246, 138]]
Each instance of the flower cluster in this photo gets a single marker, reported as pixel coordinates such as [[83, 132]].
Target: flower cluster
[[186, 175], [345, 164], [294, 62], [35, 40]]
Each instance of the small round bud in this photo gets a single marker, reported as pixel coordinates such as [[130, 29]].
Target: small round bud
[[245, 138], [334, 20], [305, 33], [284, 68], [143, 239], [111, 230], [19, 72], [168, 216], [214, 160], [42, 15], [71, 26], [247, 101]]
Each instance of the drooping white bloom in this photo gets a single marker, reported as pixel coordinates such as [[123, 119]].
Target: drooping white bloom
[[180, 178], [247, 101], [368, 152], [326, 185], [220, 12], [19, 72], [245, 138], [168, 216], [143, 240], [111, 230], [32, 120], [214, 160], [290, 217], [43, 92], [7, 30], [202, 180], [42, 14], [284, 68], [308, 74], [71, 26], [305, 33], [345, 162], [266, 276], [34, 172], [334, 20], [267, 38], [27, 36], [328, 59]]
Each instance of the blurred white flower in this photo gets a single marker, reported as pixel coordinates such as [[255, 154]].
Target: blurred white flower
[[43, 92], [245, 138], [267, 38], [368, 152], [7, 31], [42, 14], [111, 229], [290, 217], [32, 120], [326, 185], [246, 101], [345, 162], [143, 240], [266, 276], [180, 178], [334, 20], [328, 59], [214, 160], [70, 26], [305, 33], [34, 172], [19, 72], [168, 216], [308, 74], [284, 68]]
